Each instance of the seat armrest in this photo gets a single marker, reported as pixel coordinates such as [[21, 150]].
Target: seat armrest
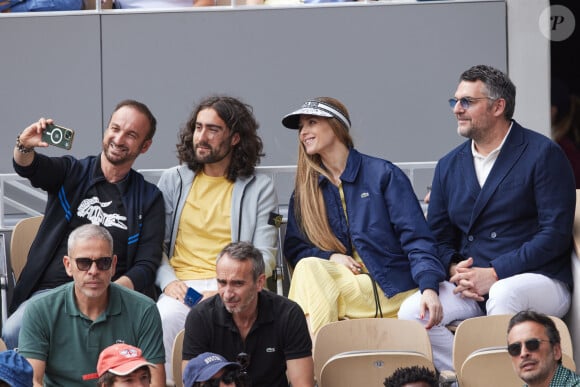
[[447, 378]]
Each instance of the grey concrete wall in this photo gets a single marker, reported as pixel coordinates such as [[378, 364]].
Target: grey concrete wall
[[393, 65], [50, 68]]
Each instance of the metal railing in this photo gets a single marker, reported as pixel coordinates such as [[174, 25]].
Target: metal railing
[[18, 199]]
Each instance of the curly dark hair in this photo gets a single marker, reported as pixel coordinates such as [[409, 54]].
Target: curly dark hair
[[239, 118], [406, 375]]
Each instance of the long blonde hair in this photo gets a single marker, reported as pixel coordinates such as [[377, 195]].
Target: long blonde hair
[[309, 205]]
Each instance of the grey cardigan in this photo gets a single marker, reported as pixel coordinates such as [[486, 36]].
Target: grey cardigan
[[253, 199]]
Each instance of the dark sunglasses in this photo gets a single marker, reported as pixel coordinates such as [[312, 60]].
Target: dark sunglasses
[[214, 382], [103, 263], [532, 345], [465, 102], [229, 377], [244, 360]]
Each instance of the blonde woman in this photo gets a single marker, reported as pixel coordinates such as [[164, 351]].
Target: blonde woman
[[356, 233]]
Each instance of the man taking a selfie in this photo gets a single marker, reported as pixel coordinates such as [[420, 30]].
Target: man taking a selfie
[[102, 190]]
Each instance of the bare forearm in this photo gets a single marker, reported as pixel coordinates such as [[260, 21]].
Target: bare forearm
[[38, 368], [301, 372], [125, 281], [158, 376]]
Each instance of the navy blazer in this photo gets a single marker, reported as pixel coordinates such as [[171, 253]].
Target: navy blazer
[[520, 221]]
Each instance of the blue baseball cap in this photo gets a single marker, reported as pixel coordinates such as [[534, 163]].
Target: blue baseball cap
[[15, 369], [202, 367]]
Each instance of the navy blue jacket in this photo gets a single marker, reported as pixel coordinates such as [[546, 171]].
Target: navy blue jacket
[[66, 181], [385, 224], [520, 221]]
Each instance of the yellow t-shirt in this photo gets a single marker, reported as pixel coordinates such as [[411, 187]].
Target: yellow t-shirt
[[204, 227], [354, 252]]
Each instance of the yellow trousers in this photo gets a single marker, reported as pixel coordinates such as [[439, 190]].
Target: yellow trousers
[[329, 291]]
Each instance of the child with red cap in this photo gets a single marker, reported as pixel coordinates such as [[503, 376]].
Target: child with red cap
[[123, 365]]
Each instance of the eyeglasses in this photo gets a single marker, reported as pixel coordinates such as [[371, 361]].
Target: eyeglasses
[[532, 345], [103, 263], [466, 102]]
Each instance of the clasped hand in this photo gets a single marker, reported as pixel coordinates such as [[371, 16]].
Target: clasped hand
[[472, 282]]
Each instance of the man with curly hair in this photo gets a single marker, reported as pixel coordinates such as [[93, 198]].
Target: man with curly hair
[[213, 198], [412, 377]]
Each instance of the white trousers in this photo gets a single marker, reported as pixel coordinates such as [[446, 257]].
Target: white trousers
[[520, 292], [173, 314]]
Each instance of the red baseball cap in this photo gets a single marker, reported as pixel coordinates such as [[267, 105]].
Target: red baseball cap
[[120, 359]]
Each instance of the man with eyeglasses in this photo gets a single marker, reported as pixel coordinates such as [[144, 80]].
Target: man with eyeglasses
[[534, 345], [64, 330], [264, 332], [102, 189], [501, 209]]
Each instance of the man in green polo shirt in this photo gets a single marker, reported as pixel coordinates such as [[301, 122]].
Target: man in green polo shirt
[[65, 329], [534, 345]]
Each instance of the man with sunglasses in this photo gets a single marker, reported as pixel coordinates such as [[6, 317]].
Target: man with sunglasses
[[64, 330], [534, 345], [101, 189], [501, 209], [264, 332], [212, 370]]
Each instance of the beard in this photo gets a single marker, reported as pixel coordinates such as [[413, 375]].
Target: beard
[[212, 155], [242, 304], [118, 155]]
